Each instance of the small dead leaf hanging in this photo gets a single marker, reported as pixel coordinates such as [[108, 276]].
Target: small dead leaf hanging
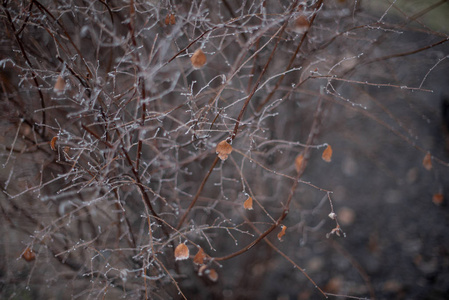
[[299, 162], [53, 143], [182, 252], [282, 233], [198, 59], [212, 275], [28, 255], [223, 150], [248, 204], [59, 85], [199, 257], [327, 154], [427, 161]]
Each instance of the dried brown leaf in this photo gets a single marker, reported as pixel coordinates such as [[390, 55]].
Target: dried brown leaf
[[28, 255], [199, 257], [248, 204], [223, 150], [182, 252], [198, 59], [427, 161], [327, 154], [53, 143], [59, 85], [212, 275], [299, 162]]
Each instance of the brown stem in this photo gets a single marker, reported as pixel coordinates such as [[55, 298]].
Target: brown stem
[[200, 189]]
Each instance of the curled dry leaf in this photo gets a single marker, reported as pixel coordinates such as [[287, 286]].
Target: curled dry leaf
[[198, 59], [53, 143], [181, 252], [212, 275], [248, 204], [427, 161], [299, 162], [223, 150], [282, 233], [28, 255], [59, 85], [327, 154], [438, 199], [199, 257]]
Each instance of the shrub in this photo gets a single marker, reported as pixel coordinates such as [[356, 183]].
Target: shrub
[[176, 150]]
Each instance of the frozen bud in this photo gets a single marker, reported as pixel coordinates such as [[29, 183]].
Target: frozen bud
[[333, 215]]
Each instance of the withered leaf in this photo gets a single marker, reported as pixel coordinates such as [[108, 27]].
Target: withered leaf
[[223, 150], [248, 204], [327, 154], [299, 162], [199, 257], [212, 275], [53, 143], [198, 59], [59, 85], [28, 255], [182, 252]]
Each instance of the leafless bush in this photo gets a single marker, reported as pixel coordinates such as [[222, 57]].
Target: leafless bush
[[113, 122]]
